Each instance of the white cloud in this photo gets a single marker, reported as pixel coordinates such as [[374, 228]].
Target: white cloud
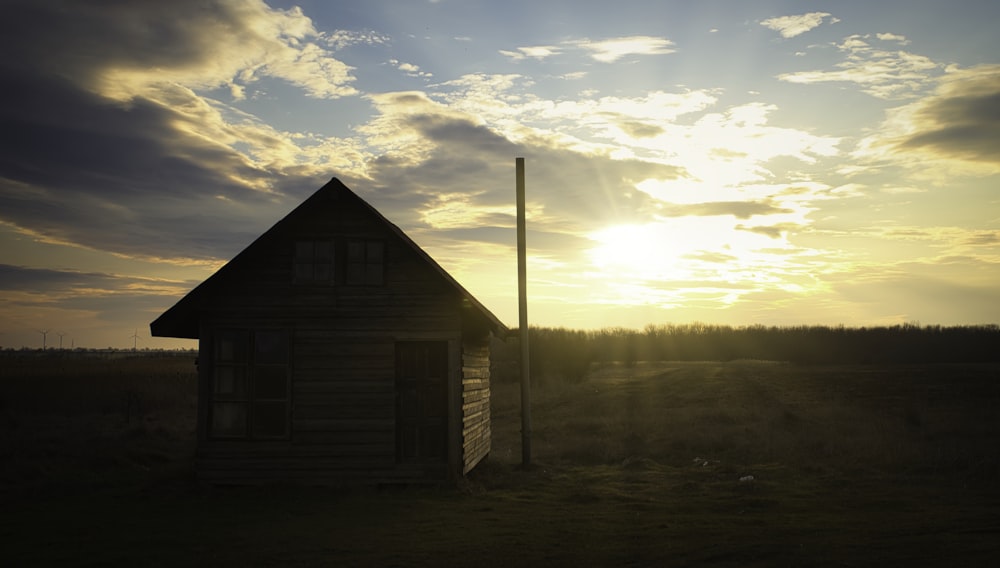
[[791, 26], [901, 40], [605, 51], [611, 50], [340, 39], [535, 52], [884, 74], [410, 69], [238, 42]]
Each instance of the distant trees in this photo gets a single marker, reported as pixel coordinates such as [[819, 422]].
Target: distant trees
[[567, 354]]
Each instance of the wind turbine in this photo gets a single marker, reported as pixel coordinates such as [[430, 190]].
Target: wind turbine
[[60, 334], [45, 334], [135, 338]]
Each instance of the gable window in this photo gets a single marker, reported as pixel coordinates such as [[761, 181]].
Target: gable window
[[250, 385], [314, 261], [365, 263]]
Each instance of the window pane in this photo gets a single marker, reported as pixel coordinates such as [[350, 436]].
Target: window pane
[[375, 249], [231, 347], [323, 272], [373, 274], [270, 381], [304, 250], [270, 419], [230, 382], [271, 347], [324, 251], [229, 419], [355, 273], [356, 251], [303, 271]]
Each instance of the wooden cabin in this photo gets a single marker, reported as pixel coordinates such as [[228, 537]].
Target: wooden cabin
[[334, 350]]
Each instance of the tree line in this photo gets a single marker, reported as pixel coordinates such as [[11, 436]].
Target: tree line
[[568, 354]]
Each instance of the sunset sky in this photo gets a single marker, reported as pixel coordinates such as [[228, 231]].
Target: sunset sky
[[730, 162]]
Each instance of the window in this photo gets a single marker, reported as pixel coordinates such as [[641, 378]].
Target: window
[[359, 262], [250, 385], [314, 261], [365, 263]]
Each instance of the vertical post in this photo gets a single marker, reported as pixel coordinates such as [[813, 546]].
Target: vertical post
[[522, 294]]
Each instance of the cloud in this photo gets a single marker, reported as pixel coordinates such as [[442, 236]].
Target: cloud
[[410, 69], [123, 50], [534, 52], [611, 50], [962, 120], [914, 291], [339, 39], [141, 179], [772, 231], [430, 149], [738, 209], [791, 26], [984, 238], [956, 126], [45, 280], [77, 301], [604, 51], [901, 40], [149, 168], [721, 153], [884, 74]]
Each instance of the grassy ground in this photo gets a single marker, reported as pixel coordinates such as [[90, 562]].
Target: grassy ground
[[672, 464]]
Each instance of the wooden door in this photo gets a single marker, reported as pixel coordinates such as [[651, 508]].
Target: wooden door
[[422, 401]]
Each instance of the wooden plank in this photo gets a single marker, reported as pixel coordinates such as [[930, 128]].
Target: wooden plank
[[365, 425], [475, 373]]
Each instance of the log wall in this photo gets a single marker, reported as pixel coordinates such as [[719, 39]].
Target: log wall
[[475, 402]]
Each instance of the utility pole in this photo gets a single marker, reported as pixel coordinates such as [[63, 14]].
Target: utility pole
[[522, 294]]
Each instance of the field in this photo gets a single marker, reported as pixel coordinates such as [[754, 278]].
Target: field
[[667, 464]]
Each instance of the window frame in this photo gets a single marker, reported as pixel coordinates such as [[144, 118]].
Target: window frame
[[310, 257], [244, 365], [364, 262]]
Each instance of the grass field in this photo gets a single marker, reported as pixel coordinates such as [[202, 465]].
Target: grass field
[[663, 464]]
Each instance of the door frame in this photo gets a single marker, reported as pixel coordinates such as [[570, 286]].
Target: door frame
[[454, 388]]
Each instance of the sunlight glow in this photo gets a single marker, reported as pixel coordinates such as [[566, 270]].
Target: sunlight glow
[[710, 261]]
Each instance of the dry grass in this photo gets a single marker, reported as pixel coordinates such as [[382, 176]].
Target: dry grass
[[88, 420], [886, 418], [736, 464]]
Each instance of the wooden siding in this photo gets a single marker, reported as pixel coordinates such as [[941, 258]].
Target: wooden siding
[[342, 413], [343, 368], [475, 402], [343, 422]]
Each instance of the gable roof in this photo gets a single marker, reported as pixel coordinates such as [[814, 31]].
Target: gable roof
[[182, 319]]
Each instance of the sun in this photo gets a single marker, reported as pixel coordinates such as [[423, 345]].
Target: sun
[[689, 251], [644, 251]]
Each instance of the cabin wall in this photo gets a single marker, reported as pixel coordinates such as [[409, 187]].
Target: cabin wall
[[342, 354], [475, 401], [343, 417], [342, 399]]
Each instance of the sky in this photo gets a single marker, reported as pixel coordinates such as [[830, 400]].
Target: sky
[[725, 162]]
